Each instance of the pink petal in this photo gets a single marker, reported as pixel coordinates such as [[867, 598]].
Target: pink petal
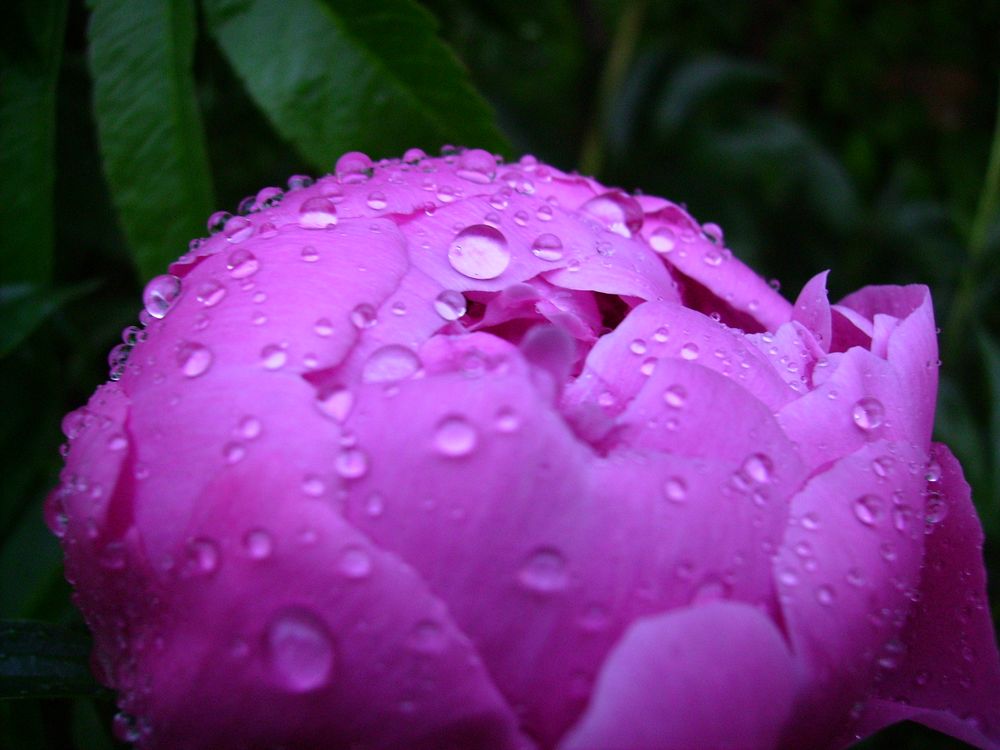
[[948, 671], [850, 556], [812, 309], [715, 676], [288, 627]]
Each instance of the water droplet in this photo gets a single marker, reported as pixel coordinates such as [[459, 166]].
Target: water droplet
[[712, 257], [414, 155], [389, 363], [479, 252], [826, 595], [313, 485], [273, 357], [544, 213], [936, 509], [217, 221], [233, 453], [810, 521], [618, 211], [201, 557], [354, 562], [689, 351], [902, 515], [160, 293], [317, 213], [547, 247], [309, 254], [117, 442], [376, 201], [675, 396], [258, 544], [454, 436], [210, 293], [427, 637], [337, 403], [868, 413], [661, 334], [242, 264], [363, 316], [351, 463], [476, 165], [544, 571], [882, 465], [450, 305], [933, 471], [237, 229], [759, 468], [663, 240], [193, 358], [323, 327], [375, 505], [299, 651], [507, 420], [675, 490], [868, 509], [353, 167], [788, 577]]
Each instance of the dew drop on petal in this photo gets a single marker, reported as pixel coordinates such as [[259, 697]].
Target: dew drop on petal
[[354, 562], [160, 293], [258, 544], [193, 359], [242, 263], [336, 403], [454, 436], [299, 651], [479, 252], [351, 463], [389, 363], [618, 211], [237, 229], [201, 557], [675, 396], [476, 165], [313, 485], [323, 327], [317, 213], [376, 201], [309, 254], [759, 468], [663, 240], [210, 292], [544, 571], [675, 490], [363, 316], [273, 357], [547, 247], [690, 351], [353, 167], [507, 420], [868, 509], [450, 305], [868, 413]]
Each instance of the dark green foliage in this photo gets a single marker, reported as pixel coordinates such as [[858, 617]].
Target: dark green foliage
[[818, 134]]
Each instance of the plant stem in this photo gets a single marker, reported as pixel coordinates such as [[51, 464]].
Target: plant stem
[[986, 211], [615, 67]]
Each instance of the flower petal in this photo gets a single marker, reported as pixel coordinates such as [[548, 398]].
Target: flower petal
[[717, 676]]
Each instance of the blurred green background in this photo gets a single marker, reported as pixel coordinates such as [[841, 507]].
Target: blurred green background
[[859, 137]]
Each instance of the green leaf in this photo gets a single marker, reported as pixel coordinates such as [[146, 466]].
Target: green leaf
[[346, 75], [148, 124], [24, 307], [43, 660], [33, 33]]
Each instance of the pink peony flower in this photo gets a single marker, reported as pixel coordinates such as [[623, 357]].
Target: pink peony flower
[[450, 453]]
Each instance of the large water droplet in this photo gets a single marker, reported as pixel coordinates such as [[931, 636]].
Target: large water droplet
[[868, 509], [479, 252], [450, 305], [193, 358], [618, 211], [454, 436], [299, 651], [868, 413], [317, 213], [389, 363], [353, 167], [547, 247], [476, 165], [242, 263], [544, 571], [160, 294]]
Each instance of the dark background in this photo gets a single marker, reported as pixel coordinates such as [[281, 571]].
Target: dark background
[[819, 134]]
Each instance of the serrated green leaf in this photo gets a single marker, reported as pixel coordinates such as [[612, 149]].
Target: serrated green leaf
[[43, 660], [29, 68], [148, 124], [346, 75], [24, 307]]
